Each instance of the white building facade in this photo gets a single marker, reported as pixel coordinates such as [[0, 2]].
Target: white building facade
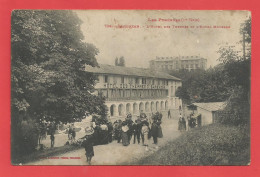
[[131, 90], [208, 111], [168, 64]]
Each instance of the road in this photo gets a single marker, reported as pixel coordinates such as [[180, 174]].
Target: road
[[115, 153]]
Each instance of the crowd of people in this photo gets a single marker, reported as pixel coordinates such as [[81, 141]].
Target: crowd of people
[[139, 131], [127, 131], [193, 121]]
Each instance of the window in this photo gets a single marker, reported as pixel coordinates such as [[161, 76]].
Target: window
[[143, 80], [106, 79], [153, 82], [122, 79], [167, 83], [136, 80]]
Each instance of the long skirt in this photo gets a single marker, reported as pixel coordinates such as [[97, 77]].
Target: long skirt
[[160, 134], [89, 151], [125, 140], [145, 138]]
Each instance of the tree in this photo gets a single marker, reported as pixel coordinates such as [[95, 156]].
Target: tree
[[116, 61], [48, 61], [237, 71], [120, 61]]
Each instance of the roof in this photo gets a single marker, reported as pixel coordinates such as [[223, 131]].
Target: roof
[[129, 71], [212, 106]]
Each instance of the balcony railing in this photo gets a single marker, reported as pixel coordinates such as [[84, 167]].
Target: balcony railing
[[135, 98], [130, 86]]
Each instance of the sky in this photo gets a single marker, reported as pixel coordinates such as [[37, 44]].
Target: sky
[[140, 45]]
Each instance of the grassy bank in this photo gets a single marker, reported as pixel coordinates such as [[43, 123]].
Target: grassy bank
[[210, 145]]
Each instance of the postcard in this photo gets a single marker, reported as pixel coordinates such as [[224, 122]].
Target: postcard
[[130, 87]]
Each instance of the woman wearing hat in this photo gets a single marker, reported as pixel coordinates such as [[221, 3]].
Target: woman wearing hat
[[88, 144], [125, 130]]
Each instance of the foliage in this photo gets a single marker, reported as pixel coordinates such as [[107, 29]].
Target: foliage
[[202, 86], [48, 60], [237, 69], [48, 79], [237, 110], [26, 139], [246, 29]]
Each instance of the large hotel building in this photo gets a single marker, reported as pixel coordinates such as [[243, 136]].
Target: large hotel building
[[168, 64], [130, 90]]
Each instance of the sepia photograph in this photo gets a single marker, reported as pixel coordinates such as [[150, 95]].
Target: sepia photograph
[[131, 87]]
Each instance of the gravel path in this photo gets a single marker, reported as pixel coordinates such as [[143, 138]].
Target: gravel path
[[115, 153]]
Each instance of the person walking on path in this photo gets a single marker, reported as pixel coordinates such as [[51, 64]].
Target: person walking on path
[[70, 133], [154, 132], [125, 130], [130, 123], [145, 132], [118, 131], [169, 114], [180, 124], [183, 124], [73, 134], [137, 127], [88, 144], [52, 139], [110, 132]]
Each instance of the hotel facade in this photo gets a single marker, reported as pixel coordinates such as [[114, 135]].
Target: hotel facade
[[168, 64], [131, 90]]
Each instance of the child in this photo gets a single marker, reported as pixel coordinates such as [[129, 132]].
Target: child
[[145, 132]]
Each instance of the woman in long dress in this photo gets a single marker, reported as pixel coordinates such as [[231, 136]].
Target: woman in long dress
[[125, 130], [145, 132]]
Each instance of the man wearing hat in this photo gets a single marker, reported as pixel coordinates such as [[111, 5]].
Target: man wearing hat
[[137, 126], [143, 115], [130, 126], [88, 144]]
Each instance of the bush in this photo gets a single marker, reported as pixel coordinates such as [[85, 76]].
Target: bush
[[237, 111], [24, 138]]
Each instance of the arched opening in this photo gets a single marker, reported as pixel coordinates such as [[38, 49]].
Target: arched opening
[[128, 108], [152, 106], [157, 106], [166, 104], [147, 107], [141, 106], [162, 105], [112, 110], [121, 110], [135, 108]]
